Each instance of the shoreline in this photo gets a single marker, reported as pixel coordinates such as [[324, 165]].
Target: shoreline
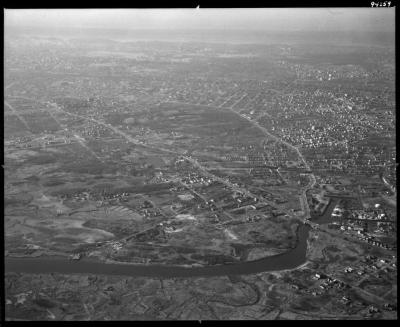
[[288, 260]]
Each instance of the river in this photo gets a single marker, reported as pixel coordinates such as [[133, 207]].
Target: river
[[41, 265]]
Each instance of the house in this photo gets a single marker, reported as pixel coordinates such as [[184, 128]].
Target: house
[[76, 256], [317, 276]]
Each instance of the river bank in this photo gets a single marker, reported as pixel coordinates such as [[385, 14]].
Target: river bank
[[288, 260]]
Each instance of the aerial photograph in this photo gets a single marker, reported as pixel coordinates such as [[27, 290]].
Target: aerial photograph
[[200, 164]]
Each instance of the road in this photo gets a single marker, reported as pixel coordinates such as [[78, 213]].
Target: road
[[257, 125], [220, 104], [235, 187], [241, 98], [190, 159], [303, 198], [277, 139], [16, 113], [80, 139], [202, 197], [114, 129], [10, 85]]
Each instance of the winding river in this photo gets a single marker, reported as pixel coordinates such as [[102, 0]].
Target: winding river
[[288, 260]]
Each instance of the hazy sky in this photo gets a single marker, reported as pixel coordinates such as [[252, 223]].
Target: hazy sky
[[356, 19]]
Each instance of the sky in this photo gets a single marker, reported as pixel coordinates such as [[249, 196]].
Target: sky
[[273, 19]]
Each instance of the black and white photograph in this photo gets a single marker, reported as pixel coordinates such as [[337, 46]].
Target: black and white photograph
[[200, 164]]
